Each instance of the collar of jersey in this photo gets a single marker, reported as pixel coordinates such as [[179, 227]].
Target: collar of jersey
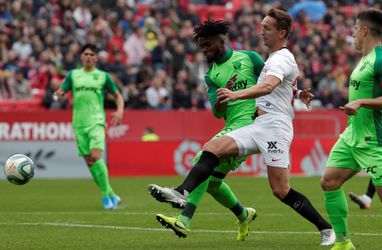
[[88, 72], [225, 58]]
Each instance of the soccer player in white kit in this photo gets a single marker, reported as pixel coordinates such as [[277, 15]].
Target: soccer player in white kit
[[272, 132]]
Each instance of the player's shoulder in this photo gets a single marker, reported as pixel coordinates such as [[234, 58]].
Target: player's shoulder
[[100, 71], [75, 71], [282, 55], [104, 74], [249, 53]]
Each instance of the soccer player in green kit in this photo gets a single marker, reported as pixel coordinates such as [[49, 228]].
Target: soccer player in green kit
[[238, 70], [360, 145], [88, 85], [235, 70]]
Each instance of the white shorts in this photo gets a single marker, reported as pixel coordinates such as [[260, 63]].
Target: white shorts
[[270, 134]]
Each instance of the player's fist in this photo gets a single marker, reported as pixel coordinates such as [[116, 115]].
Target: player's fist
[[230, 83], [58, 94]]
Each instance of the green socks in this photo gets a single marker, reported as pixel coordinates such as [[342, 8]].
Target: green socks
[[101, 177], [223, 194], [337, 209], [196, 196]]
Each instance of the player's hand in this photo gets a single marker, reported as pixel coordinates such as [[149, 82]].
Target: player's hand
[[116, 118], [225, 95], [231, 81], [58, 94], [351, 107], [306, 96]]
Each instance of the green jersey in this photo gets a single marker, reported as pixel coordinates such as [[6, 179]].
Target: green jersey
[[88, 89], [247, 65], [364, 130]]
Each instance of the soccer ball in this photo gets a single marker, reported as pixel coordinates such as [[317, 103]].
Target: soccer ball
[[19, 169]]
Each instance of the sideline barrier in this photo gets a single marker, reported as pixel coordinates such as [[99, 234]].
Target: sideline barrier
[[308, 157], [47, 137]]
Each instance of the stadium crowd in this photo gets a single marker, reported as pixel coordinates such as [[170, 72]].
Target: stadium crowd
[[147, 47]]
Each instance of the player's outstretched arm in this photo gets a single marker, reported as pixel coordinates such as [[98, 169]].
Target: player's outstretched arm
[[117, 116], [352, 107], [260, 89]]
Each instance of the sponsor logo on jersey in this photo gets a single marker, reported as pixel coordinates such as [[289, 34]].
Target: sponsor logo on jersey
[[83, 88], [355, 84], [240, 85]]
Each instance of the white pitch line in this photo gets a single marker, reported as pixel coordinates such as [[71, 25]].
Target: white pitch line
[[116, 212], [54, 224]]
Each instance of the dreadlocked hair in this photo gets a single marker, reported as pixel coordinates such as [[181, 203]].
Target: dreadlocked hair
[[210, 28]]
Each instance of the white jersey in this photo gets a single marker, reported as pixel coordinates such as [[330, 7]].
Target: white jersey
[[282, 65]]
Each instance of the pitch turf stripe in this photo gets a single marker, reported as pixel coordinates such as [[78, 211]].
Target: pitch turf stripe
[[116, 212], [54, 224]]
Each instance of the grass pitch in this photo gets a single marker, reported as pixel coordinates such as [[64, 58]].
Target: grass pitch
[[67, 214]]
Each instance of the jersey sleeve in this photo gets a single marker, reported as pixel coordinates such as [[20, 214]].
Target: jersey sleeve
[[110, 84], [257, 61], [378, 67], [278, 67], [212, 96], [66, 85]]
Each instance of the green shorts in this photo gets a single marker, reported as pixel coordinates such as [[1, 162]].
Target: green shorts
[[87, 138], [368, 159], [226, 164]]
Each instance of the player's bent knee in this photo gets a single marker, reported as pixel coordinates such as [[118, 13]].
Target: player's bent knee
[[223, 146], [328, 184], [212, 147]]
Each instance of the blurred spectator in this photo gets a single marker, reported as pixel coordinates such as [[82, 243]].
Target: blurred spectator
[[141, 102], [181, 97], [4, 46], [160, 56], [22, 48], [5, 15], [325, 97], [6, 92], [21, 87], [130, 94], [49, 101], [134, 48], [42, 38], [156, 92], [328, 81], [197, 97], [198, 70]]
